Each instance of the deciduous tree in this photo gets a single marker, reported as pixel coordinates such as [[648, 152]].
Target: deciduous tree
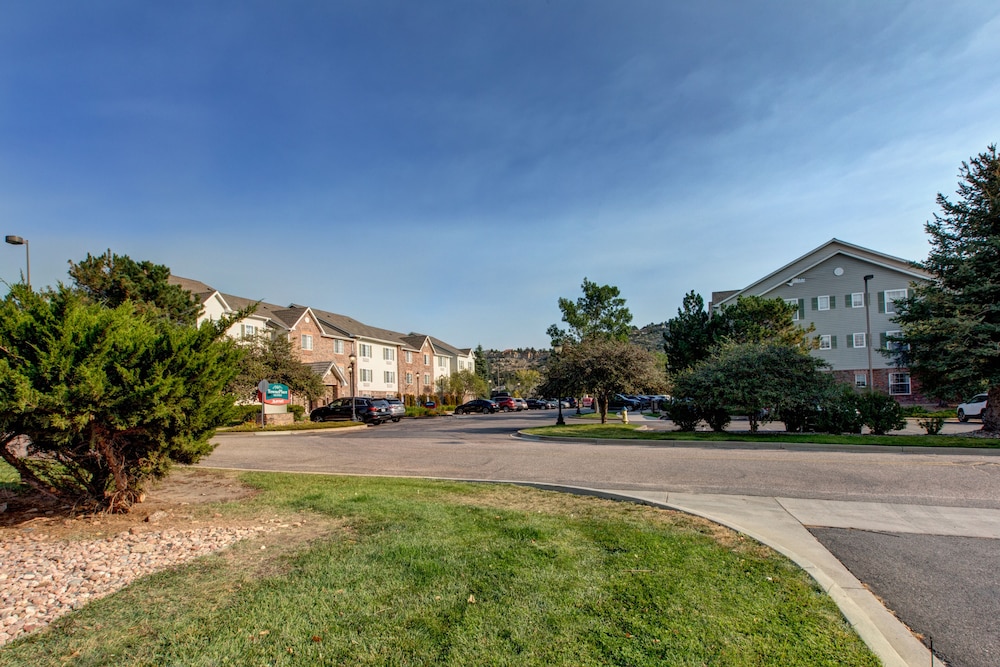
[[756, 379], [600, 312], [267, 358], [602, 367]]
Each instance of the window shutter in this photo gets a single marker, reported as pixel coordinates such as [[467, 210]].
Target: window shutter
[[833, 302], [909, 293], [815, 303], [884, 340], [850, 340], [848, 300], [802, 309], [881, 302], [833, 342]]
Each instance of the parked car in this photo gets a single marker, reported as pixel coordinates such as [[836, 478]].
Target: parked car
[[396, 408], [972, 408], [618, 401], [538, 404], [483, 405], [368, 410], [505, 403], [521, 404]]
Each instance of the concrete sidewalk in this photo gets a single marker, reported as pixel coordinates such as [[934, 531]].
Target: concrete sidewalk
[[781, 524]]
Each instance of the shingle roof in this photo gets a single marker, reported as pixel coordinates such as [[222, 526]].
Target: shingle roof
[[353, 328], [196, 287]]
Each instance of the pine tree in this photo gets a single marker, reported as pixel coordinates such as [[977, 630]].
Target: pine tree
[[951, 326]]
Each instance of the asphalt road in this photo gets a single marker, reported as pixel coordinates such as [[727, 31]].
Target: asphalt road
[[945, 587]]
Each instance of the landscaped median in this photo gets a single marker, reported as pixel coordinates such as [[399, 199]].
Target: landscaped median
[[402, 571], [638, 432]]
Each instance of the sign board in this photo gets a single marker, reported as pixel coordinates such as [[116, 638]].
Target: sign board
[[273, 393]]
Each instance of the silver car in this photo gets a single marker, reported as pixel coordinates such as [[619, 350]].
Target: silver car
[[396, 408]]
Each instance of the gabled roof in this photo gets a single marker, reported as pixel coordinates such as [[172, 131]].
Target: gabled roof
[[343, 325], [830, 249], [321, 368], [416, 341], [441, 347]]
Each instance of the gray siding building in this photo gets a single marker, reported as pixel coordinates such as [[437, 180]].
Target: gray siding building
[[827, 287]]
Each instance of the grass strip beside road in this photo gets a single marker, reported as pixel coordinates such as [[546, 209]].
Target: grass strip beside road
[[414, 572], [634, 432]]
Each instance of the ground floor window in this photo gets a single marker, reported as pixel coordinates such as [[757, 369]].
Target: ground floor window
[[899, 384], [860, 380]]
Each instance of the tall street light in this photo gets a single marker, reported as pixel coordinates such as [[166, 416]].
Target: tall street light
[[354, 415], [559, 421], [868, 333], [17, 240]]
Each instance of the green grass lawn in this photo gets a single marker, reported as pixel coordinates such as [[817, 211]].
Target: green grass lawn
[[409, 572], [632, 432]]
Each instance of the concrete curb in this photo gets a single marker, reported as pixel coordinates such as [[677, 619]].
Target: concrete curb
[[767, 445]]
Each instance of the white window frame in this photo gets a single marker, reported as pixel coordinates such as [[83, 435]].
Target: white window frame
[[442, 362], [427, 361], [826, 342], [820, 302], [860, 379], [889, 301], [389, 354], [427, 379], [408, 356], [899, 384], [367, 375], [895, 345], [338, 346], [307, 341], [365, 350], [857, 300], [409, 378], [854, 340], [389, 377], [794, 303]]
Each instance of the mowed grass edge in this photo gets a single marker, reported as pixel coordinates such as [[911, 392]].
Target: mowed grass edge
[[635, 432], [411, 572]]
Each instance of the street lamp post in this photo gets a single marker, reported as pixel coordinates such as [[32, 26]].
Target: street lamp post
[[868, 334], [559, 421], [354, 415], [17, 240]]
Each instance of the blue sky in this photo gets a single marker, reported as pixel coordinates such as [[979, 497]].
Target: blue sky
[[455, 167]]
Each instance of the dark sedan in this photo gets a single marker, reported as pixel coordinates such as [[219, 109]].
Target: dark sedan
[[367, 410], [478, 405]]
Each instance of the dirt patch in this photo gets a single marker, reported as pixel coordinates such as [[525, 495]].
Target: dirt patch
[[182, 500]]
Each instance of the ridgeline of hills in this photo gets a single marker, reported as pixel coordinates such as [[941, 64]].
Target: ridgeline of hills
[[649, 337]]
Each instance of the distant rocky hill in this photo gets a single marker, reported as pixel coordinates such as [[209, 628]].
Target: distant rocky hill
[[649, 337]]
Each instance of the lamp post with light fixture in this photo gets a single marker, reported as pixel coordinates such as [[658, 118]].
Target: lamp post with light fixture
[[868, 334], [17, 240], [559, 421], [354, 415]]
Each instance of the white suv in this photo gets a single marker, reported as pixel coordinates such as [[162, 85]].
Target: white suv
[[972, 408]]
